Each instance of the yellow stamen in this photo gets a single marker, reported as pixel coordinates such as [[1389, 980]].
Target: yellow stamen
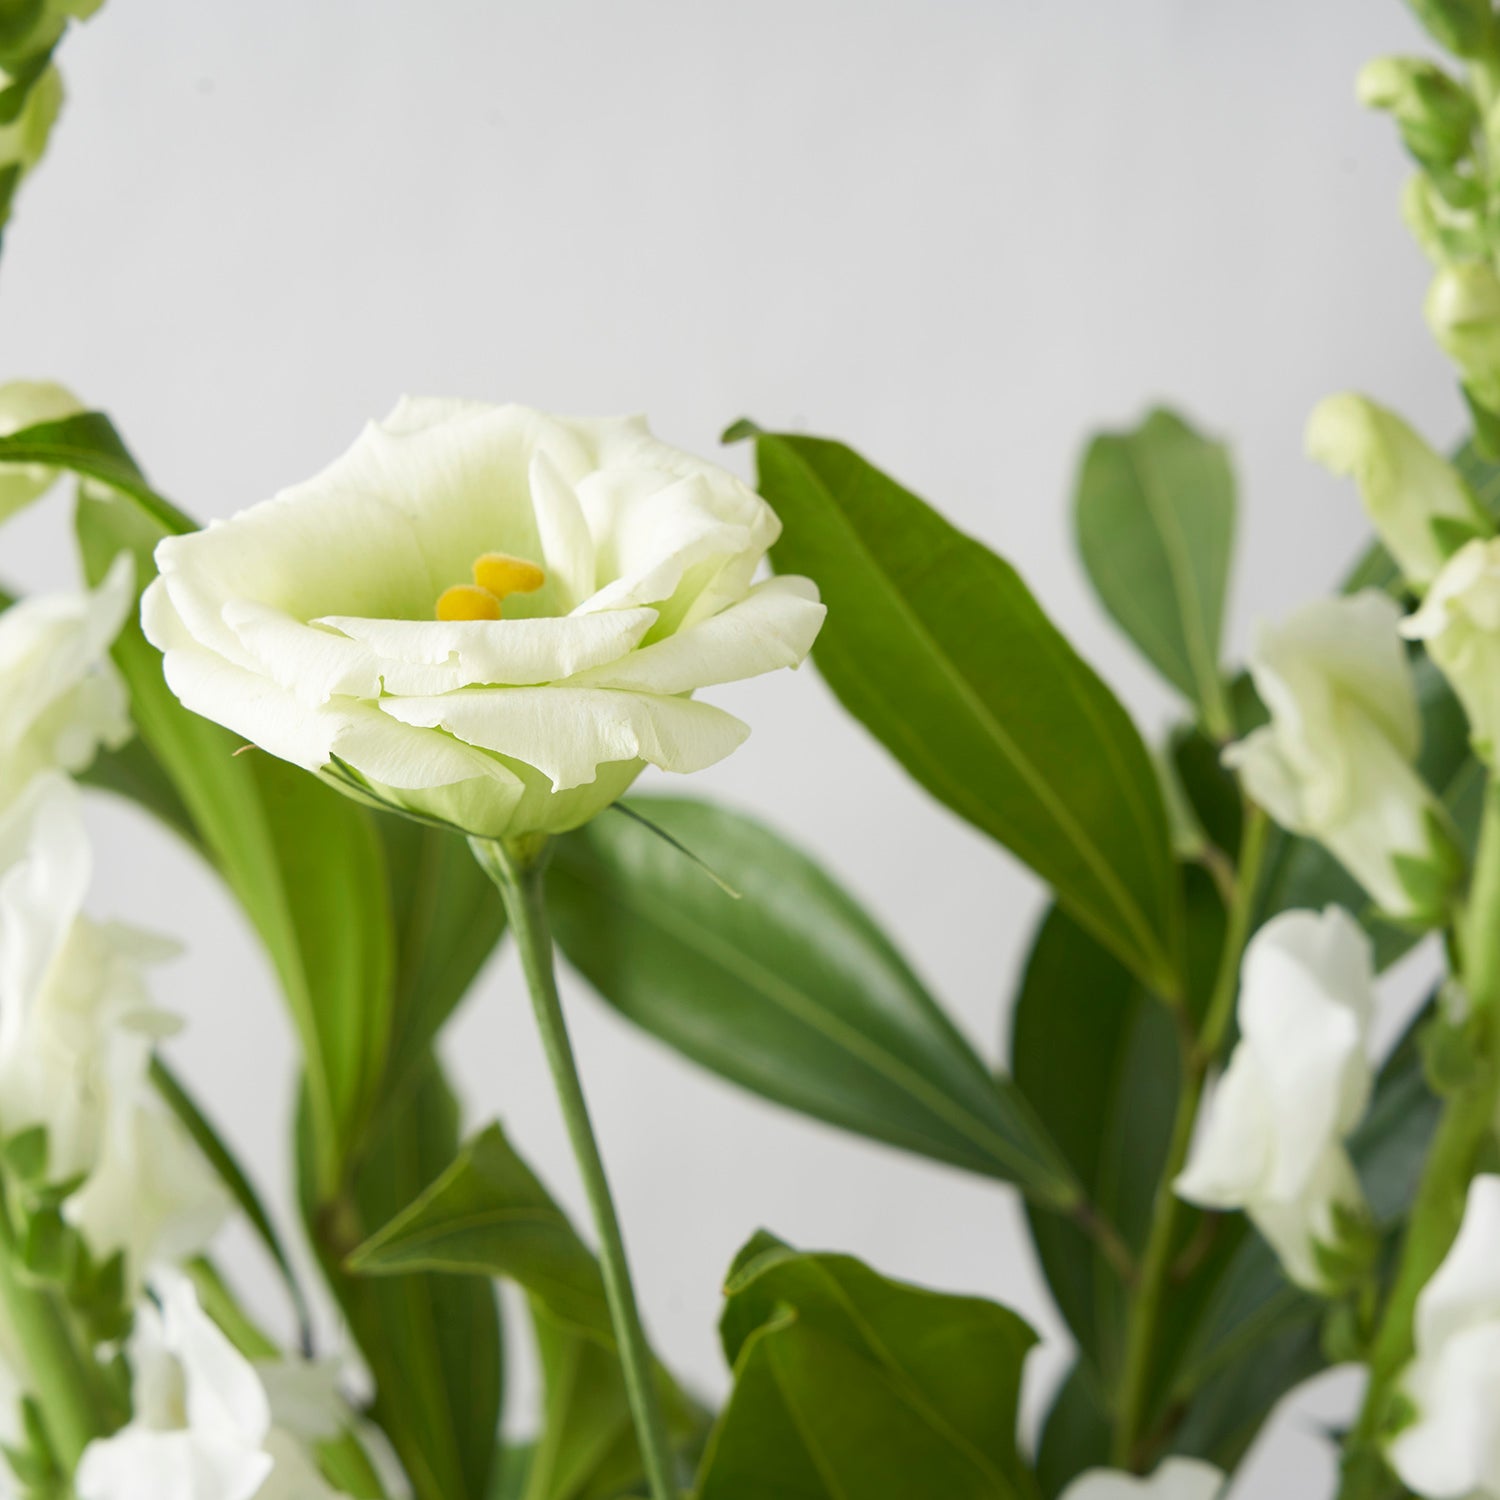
[[467, 601], [502, 574]]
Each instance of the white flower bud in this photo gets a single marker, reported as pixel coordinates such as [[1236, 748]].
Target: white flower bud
[[27, 403], [1463, 311], [61, 697], [1337, 761], [202, 1427], [1459, 623], [1296, 1086], [1452, 1450], [1416, 500]]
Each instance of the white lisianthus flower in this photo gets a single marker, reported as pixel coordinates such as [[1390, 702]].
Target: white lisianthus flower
[[26, 403], [202, 1427], [76, 1030], [1452, 1450], [1297, 1084], [1405, 485], [1173, 1479], [61, 697], [1459, 623], [484, 615], [1337, 762]]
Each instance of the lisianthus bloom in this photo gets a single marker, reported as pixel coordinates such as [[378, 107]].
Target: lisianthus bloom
[[1452, 1450], [1297, 1084], [1459, 623], [1173, 1479], [76, 1031], [1416, 500], [1337, 762], [61, 697], [202, 1424], [26, 403], [484, 615]]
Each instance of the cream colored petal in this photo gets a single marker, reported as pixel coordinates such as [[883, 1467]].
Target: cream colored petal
[[312, 662], [418, 659], [1295, 1228], [1465, 1289], [567, 732], [139, 1464], [773, 626], [1232, 1153], [567, 547], [397, 755]]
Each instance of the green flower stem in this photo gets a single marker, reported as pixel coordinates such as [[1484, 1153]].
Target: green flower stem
[[1198, 1055], [517, 872], [1466, 1126], [61, 1374]]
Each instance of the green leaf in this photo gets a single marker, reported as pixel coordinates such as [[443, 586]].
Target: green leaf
[[1076, 1433], [232, 1175], [1155, 515], [488, 1215], [792, 991], [938, 648], [89, 446], [304, 862], [587, 1448], [432, 1342], [848, 1384]]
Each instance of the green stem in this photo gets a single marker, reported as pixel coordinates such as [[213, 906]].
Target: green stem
[[517, 874], [1452, 1160], [60, 1373], [1197, 1057]]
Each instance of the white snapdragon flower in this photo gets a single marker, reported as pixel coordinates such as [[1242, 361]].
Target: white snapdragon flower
[[61, 697], [484, 615], [26, 403], [76, 1031], [203, 1426], [1297, 1084], [1452, 1450], [1406, 487], [1337, 761], [1173, 1479], [1459, 623]]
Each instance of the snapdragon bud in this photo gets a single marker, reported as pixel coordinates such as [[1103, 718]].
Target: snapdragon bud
[[1436, 115], [1416, 500], [1445, 232], [1463, 311], [1466, 27]]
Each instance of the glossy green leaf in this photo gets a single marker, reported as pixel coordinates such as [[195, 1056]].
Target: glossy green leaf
[[939, 649], [432, 1342], [791, 991], [488, 1215], [1155, 515], [587, 1449], [305, 863], [848, 1384], [1075, 1434]]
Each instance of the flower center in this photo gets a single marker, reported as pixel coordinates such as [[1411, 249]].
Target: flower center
[[497, 576]]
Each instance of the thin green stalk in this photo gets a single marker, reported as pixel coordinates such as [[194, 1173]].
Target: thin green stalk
[[517, 874], [1198, 1054], [1466, 1125], [61, 1373]]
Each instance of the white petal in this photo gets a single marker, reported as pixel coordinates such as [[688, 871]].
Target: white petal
[[224, 1397], [314, 663], [1452, 1451], [773, 626], [567, 732], [1465, 1289], [1174, 1479], [25, 403], [1232, 1153], [137, 1464], [420, 658], [567, 546]]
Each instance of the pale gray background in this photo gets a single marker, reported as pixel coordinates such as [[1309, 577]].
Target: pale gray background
[[958, 235]]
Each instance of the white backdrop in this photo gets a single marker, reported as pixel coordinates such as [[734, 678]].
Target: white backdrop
[[958, 235]]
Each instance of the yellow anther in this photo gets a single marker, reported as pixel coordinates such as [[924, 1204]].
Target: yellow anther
[[467, 601], [502, 574]]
